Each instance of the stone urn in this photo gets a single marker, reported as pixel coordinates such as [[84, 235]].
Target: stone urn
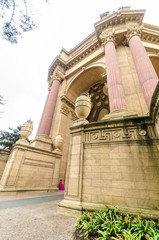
[[83, 107], [58, 142], [26, 129]]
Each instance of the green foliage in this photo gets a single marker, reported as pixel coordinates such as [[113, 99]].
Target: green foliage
[[2, 100], [8, 138], [113, 224], [16, 18]]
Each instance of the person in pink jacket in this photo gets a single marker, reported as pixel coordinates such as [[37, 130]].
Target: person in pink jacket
[[61, 185]]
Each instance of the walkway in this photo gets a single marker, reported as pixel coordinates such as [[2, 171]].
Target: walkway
[[30, 217], [29, 201]]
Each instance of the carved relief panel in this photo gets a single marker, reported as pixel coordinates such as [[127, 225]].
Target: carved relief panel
[[99, 101], [157, 123], [67, 108]]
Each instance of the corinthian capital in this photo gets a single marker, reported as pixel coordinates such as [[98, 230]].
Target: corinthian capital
[[58, 74], [133, 30], [107, 36]]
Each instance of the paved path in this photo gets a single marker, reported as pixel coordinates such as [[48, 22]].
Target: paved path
[[29, 201], [34, 217]]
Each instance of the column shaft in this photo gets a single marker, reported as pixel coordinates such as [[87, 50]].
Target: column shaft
[[145, 70], [114, 81], [49, 109]]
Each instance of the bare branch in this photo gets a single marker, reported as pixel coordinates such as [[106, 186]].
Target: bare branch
[[13, 10]]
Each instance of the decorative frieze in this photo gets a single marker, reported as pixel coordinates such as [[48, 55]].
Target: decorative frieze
[[65, 109], [149, 37], [68, 108], [83, 54], [120, 134], [73, 115], [68, 102]]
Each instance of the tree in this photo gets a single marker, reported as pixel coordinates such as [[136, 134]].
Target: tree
[[2, 101], [8, 138], [17, 18]]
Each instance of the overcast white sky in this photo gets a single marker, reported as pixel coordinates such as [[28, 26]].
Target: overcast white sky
[[24, 66]]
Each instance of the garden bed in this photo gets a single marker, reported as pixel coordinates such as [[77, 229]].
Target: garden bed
[[112, 223]]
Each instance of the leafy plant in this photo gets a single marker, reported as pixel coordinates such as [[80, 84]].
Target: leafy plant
[[8, 138], [16, 18], [112, 223]]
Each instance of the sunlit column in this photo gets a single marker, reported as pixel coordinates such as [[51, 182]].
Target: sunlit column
[[114, 81], [145, 70], [49, 109]]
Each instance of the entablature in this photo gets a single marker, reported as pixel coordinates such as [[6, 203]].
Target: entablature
[[120, 23], [121, 17]]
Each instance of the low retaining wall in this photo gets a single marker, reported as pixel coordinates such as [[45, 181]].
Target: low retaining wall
[[4, 154], [113, 163], [31, 168]]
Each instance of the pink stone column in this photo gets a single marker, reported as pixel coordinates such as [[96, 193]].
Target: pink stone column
[[114, 81], [145, 70], [49, 109]]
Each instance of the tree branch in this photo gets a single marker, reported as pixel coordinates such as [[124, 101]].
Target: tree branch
[[12, 12]]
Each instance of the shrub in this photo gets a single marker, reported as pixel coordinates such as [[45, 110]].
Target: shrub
[[112, 223]]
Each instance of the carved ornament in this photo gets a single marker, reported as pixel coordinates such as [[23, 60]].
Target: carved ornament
[[67, 101], [58, 74], [107, 36], [133, 30], [67, 108], [73, 115], [120, 134]]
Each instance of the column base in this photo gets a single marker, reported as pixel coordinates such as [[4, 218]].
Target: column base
[[42, 142], [120, 114], [74, 209], [80, 121], [70, 208], [22, 141]]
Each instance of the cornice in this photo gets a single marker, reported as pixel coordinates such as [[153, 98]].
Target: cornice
[[56, 62], [86, 42], [79, 53], [58, 74], [150, 38], [67, 101], [117, 22], [122, 16], [150, 33]]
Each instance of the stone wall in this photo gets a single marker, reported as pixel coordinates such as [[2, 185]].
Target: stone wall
[[31, 168], [124, 174], [113, 163], [4, 154]]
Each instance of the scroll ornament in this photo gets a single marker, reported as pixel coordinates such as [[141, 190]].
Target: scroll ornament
[[134, 30], [106, 36]]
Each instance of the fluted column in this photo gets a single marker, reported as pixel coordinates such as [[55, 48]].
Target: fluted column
[[115, 88], [145, 70], [49, 108]]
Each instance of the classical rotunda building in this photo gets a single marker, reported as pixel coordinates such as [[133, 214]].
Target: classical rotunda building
[[99, 130]]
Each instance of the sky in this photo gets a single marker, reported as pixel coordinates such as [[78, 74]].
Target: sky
[[24, 66]]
